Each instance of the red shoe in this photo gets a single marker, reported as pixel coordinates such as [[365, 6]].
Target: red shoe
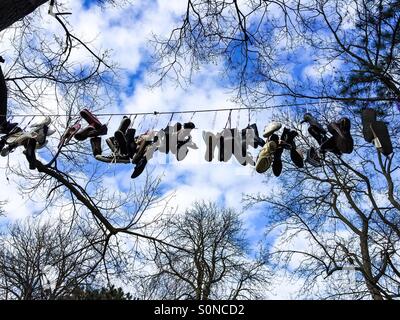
[[69, 134], [91, 119]]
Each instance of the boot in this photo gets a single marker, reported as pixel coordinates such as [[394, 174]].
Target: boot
[[340, 131], [94, 129], [130, 142], [95, 143], [368, 117], [124, 125], [30, 153], [295, 155], [277, 164], [121, 142]]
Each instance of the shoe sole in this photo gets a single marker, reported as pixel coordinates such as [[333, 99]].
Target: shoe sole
[[380, 131], [271, 129]]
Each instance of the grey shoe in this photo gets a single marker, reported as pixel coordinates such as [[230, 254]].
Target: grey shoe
[[271, 128]]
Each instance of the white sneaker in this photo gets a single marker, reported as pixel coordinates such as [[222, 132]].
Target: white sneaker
[[271, 128]]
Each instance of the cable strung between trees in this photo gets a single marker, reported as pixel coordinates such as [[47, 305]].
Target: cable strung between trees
[[173, 112]]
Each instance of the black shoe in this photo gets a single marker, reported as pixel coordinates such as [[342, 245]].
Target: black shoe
[[112, 144], [258, 141], [368, 117], [2, 144], [131, 142], [90, 132], [124, 125], [295, 155], [330, 145], [382, 138], [277, 162], [340, 131], [96, 146], [189, 125], [121, 142], [30, 153], [3, 98], [139, 168], [317, 135], [313, 122], [6, 127]]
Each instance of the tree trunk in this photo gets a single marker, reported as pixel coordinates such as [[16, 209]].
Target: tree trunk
[[12, 11]]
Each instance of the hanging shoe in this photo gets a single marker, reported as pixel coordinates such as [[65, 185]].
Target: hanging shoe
[[3, 101], [112, 144], [271, 128], [143, 142], [382, 138], [139, 168], [30, 153], [241, 143], [112, 158], [295, 154], [2, 144], [174, 138], [131, 142], [6, 127], [189, 125], [313, 157], [183, 148], [40, 134], [277, 162], [340, 130], [95, 143], [297, 157], [184, 141], [69, 134], [211, 141], [313, 122], [90, 132], [124, 125], [368, 117], [121, 142], [45, 122], [19, 139], [94, 129], [330, 145], [319, 136], [265, 157], [226, 144], [165, 138], [258, 142]]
